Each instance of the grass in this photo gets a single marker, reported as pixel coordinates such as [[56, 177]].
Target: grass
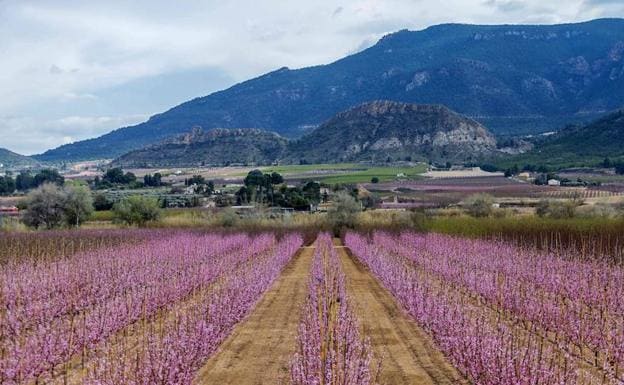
[[346, 173], [385, 174]]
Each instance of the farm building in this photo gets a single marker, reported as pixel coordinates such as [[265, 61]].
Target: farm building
[[554, 182]]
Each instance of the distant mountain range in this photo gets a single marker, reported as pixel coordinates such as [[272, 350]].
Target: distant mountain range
[[377, 131], [510, 78], [9, 159]]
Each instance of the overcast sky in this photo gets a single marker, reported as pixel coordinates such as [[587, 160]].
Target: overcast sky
[[71, 70]]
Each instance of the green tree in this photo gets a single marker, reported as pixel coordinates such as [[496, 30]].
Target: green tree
[[137, 210], [7, 185], [152, 180], [276, 178], [78, 205], [195, 179], [24, 181], [312, 192], [116, 176], [47, 176], [101, 203]]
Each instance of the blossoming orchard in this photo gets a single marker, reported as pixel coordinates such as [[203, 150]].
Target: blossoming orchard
[[282, 307]]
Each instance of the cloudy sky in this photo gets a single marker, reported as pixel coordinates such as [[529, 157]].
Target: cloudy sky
[[71, 70]]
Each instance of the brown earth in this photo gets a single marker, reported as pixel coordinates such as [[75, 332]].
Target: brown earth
[[408, 355], [261, 347]]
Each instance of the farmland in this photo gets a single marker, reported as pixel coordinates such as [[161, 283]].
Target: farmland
[[198, 306], [498, 312]]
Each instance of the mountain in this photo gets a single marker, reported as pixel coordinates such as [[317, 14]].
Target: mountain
[[372, 131], [214, 147], [511, 78], [580, 145], [9, 159], [383, 130]]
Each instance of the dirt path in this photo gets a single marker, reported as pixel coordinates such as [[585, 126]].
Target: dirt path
[[409, 356], [259, 350]]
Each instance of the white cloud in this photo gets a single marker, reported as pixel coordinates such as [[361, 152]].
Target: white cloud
[[60, 58], [26, 135]]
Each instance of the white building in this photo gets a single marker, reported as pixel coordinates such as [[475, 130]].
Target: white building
[[554, 182]]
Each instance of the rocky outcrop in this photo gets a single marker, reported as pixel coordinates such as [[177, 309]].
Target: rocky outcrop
[[216, 147], [386, 130]]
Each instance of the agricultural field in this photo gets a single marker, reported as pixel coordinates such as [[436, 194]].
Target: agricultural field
[[505, 315], [326, 173], [453, 189], [191, 306], [349, 172]]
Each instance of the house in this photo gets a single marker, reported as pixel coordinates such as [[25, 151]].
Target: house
[[554, 182], [524, 175]]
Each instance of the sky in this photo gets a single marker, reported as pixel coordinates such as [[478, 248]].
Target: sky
[[71, 70]]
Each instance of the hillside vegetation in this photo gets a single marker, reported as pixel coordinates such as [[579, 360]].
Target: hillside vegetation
[[585, 145]]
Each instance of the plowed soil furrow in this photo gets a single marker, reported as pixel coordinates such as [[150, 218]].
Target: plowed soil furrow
[[260, 349], [408, 355]]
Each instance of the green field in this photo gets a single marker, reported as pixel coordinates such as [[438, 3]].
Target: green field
[[347, 172], [303, 168]]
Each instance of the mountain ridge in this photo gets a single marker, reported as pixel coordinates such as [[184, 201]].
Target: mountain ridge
[[511, 78], [368, 132]]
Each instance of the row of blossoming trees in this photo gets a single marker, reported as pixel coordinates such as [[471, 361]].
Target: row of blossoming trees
[[502, 314], [147, 312], [330, 349]]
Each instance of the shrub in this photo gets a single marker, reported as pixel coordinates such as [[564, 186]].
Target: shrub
[[479, 205], [374, 180], [137, 210], [598, 210], [556, 209], [227, 218], [344, 211]]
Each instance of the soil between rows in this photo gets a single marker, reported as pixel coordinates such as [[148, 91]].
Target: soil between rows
[[408, 354], [260, 349]]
